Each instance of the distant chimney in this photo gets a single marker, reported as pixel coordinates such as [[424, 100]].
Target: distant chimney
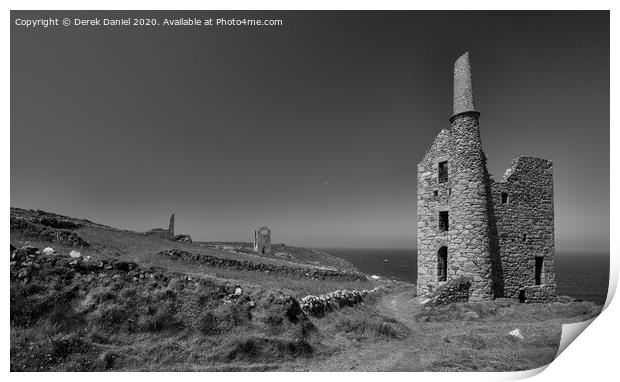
[[171, 226]]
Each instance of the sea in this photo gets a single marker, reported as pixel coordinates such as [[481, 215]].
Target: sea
[[579, 275]]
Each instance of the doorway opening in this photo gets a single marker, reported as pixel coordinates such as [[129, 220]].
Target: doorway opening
[[442, 264]]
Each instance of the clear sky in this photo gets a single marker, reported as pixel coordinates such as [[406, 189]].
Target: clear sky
[[314, 128]]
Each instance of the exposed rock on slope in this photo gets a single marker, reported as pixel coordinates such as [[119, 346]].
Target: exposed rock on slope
[[39, 229]]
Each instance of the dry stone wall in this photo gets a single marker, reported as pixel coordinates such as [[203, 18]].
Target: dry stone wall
[[310, 272], [318, 306]]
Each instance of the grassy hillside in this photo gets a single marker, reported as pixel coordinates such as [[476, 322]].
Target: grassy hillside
[[118, 315], [107, 242], [125, 304], [122, 305]]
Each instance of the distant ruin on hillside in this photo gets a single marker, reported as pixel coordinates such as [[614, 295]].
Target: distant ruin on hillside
[[169, 233], [262, 240]]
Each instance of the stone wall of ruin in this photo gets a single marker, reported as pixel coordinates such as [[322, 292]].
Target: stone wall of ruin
[[469, 249], [525, 227], [432, 197], [466, 197], [491, 238], [262, 240]]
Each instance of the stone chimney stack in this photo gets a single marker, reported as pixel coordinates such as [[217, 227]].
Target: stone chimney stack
[[171, 226], [463, 89], [469, 247]]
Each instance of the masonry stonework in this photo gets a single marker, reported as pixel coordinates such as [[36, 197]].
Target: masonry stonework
[[162, 232], [499, 235], [523, 203], [171, 225], [262, 240]]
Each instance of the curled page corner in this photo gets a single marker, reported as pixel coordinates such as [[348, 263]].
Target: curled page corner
[[523, 374], [570, 332]]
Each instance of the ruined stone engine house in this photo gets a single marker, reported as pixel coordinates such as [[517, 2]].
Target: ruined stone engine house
[[162, 232], [262, 240], [499, 234]]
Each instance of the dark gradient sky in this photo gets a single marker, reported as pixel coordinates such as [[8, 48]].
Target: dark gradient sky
[[313, 129]]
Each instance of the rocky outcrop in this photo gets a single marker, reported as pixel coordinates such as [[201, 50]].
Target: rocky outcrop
[[26, 261], [52, 220], [310, 272], [57, 222], [24, 252], [23, 222], [26, 226], [34, 227], [65, 237]]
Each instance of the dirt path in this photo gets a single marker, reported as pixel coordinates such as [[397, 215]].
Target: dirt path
[[403, 306], [388, 355]]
